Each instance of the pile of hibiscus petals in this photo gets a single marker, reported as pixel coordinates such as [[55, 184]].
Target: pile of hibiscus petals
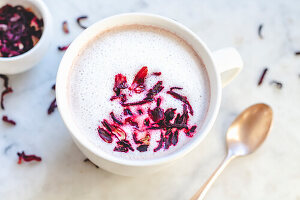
[[20, 30], [144, 122]]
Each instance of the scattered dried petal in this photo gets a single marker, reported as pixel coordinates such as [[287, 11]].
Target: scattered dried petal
[[79, 21], [160, 143], [105, 135], [63, 48], [259, 31], [261, 79], [127, 111], [115, 119], [27, 158], [120, 83], [174, 139], [183, 99], [139, 79], [156, 73], [5, 119], [65, 27], [142, 148], [190, 131], [52, 107], [176, 88], [5, 92], [156, 114], [278, 84]]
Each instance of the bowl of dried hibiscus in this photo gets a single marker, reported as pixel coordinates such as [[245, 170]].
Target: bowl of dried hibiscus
[[25, 34]]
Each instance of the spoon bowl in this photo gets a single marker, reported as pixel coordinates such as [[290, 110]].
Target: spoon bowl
[[249, 130]]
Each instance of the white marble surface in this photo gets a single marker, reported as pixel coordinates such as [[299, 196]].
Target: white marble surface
[[273, 172]]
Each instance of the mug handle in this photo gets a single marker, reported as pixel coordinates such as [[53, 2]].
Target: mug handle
[[229, 64]]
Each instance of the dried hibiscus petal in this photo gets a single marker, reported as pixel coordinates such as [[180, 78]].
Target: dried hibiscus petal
[[27, 158], [278, 84], [79, 21], [5, 119], [183, 99], [139, 79], [134, 136], [52, 106], [168, 141], [127, 111], [259, 31], [116, 130], [105, 135], [157, 88], [131, 122], [142, 148], [107, 125], [65, 27], [121, 149], [115, 119], [120, 83], [190, 131], [5, 92], [156, 114], [160, 143], [149, 97], [176, 88], [174, 139], [169, 114], [147, 122], [262, 76], [63, 48], [123, 146], [121, 96], [156, 73]]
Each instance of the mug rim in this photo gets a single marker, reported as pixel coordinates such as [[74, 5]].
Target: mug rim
[[62, 102]]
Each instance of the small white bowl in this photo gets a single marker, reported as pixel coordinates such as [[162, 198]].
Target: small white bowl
[[29, 59]]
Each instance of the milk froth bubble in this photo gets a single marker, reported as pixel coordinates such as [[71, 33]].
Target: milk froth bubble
[[125, 50]]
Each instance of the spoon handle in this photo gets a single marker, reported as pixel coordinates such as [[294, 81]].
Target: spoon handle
[[199, 195]]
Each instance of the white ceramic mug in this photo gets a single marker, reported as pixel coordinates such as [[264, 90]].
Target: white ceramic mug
[[222, 66]]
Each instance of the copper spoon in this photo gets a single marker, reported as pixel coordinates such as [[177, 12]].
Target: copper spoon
[[244, 136]]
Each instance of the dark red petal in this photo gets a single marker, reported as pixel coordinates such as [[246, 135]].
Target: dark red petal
[[183, 99], [79, 21], [156, 114], [174, 139], [5, 92], [65, 27], [160, 143], [114, 118], [5, 119], [139, 78], [156, 73], [105, 135], [52, 107], [142, 148], [27, 158], [63, 48]]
